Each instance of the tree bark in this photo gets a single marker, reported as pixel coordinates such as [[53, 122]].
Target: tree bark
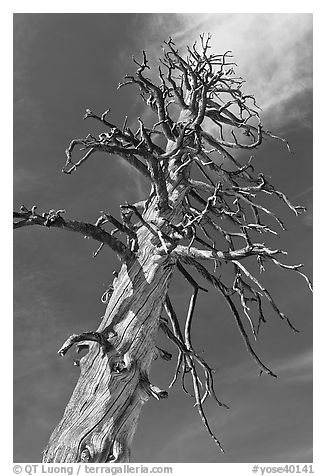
[[100, 419]]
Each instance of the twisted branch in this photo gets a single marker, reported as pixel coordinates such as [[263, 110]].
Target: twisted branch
[[53, 219]]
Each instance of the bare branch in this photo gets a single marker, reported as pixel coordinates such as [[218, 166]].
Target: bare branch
[[103, 144], [196, 382], [295, 268], [53, 219], [267, 295], [192, 304], [226, 294], [85, 336], [253, 250]]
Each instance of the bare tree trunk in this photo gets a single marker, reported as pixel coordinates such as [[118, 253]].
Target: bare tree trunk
[[100, 419]]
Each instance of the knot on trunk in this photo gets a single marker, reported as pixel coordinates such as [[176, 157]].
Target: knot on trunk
[[151, 389]]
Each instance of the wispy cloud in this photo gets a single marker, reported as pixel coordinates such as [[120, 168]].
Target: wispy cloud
[[241, 428], [273, 52], [308, 217], [24, 179], [304, 454], [296, 368]]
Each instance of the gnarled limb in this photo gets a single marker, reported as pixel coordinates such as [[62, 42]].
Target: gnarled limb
[[190, 357], [84, 337], [192, 304], [104, 143], [226, 293], [256, 249], [53, 219]]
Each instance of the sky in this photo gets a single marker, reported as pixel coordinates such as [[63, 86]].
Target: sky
[[65, 63]]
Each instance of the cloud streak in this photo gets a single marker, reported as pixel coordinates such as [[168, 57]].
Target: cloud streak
[[273, 52], [250, 416], [296, 368]]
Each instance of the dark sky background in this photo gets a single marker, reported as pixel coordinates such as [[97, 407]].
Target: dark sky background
[[64, 63]]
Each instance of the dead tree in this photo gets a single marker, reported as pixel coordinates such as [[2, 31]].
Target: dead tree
[[204, 213]]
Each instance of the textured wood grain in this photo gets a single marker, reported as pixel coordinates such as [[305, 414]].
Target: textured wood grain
[[100, 419]]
